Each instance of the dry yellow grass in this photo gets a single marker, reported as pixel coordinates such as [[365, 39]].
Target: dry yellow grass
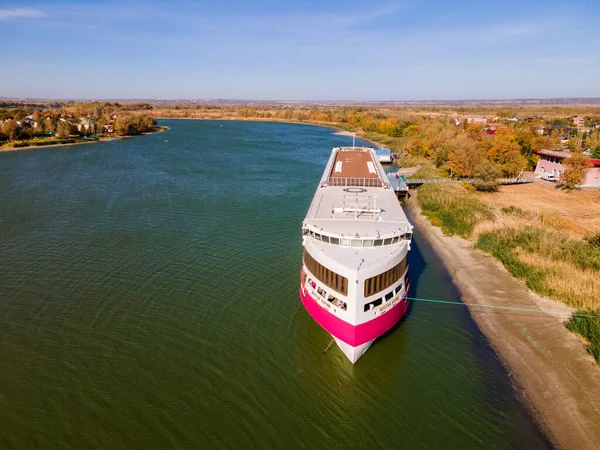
[[576, 213], [573, 285]]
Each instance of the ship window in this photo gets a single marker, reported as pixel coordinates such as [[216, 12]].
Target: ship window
[[373, 304], [389, 295], [334, 240], [388, 241], [398, 288], [328, 277], [325, 239], [321, 292], [305, 232], [345, 241], [386, 279], [395, 240], [317, 236], [378, 242], [312, 234], [356, 243], [368, 243]]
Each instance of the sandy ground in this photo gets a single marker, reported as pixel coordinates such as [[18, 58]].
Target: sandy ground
[[555, 376], [579, 209]]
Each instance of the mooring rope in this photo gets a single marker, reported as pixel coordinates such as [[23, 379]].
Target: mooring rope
[[513, 308]]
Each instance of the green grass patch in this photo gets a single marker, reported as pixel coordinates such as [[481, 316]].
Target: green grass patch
[[588, 328], [453, 208], [517, 212]]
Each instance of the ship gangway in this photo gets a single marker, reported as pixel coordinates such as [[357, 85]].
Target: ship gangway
[[398, 184]]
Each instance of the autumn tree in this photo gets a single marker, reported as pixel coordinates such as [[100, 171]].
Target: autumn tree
[[464, 157], [592, 143], [504, 150], [123, 126], [575, 170], [64, 129], [10, 130]]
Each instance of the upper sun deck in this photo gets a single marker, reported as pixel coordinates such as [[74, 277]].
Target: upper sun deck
[[353, 166], [354, 163], [355, 199]]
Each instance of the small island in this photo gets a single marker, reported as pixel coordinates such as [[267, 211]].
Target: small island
[[70, 123]]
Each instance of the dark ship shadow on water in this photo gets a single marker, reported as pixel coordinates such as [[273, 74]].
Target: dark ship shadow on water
[[416, 267]]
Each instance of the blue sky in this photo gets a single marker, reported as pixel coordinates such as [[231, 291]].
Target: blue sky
[[300, 50]]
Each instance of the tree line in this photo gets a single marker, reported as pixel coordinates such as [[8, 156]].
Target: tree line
[[65, 121]]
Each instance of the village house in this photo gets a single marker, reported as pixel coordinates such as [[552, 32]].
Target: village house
[[86, 124], [551, 162], [479, 120], [29, 120], [108, 128], [578, 121]]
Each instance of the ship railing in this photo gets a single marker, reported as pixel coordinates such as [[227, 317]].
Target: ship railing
[[356, 182]]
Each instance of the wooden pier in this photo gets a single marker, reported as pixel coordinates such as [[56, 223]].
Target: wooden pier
[[401, 185]]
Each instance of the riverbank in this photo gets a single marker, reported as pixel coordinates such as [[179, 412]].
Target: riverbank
[[82, 142], [558, 380]]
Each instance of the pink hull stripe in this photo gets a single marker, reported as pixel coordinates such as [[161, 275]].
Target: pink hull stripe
[[353, 334]]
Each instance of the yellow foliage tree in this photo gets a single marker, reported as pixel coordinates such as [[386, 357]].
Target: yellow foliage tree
[[576, 169]]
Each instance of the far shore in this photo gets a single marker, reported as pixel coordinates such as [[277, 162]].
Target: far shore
[[103, 139], [554, 375], [337, 131]]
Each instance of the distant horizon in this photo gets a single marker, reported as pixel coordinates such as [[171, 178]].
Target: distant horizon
[[344, 50], [457, 102]]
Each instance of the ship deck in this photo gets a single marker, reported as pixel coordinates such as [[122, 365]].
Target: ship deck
[[357, 200], [354, 164]]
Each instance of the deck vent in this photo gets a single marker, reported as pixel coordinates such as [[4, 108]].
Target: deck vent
[[371, 167], [338, 167]]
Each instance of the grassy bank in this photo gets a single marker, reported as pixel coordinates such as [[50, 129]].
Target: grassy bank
[[534, 247], [51, 141], [39, 142], [453, 208]]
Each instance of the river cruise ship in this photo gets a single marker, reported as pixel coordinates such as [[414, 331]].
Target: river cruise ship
[[356, 240]]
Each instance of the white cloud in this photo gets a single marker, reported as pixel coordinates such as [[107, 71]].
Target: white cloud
[[23, 13]]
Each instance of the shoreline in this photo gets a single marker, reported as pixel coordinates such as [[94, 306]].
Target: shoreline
[[337, 131], [108, 139], [556, 378]]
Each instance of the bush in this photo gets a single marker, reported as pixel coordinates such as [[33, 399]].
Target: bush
[[487, 178], [594, 241], [589, 328]]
